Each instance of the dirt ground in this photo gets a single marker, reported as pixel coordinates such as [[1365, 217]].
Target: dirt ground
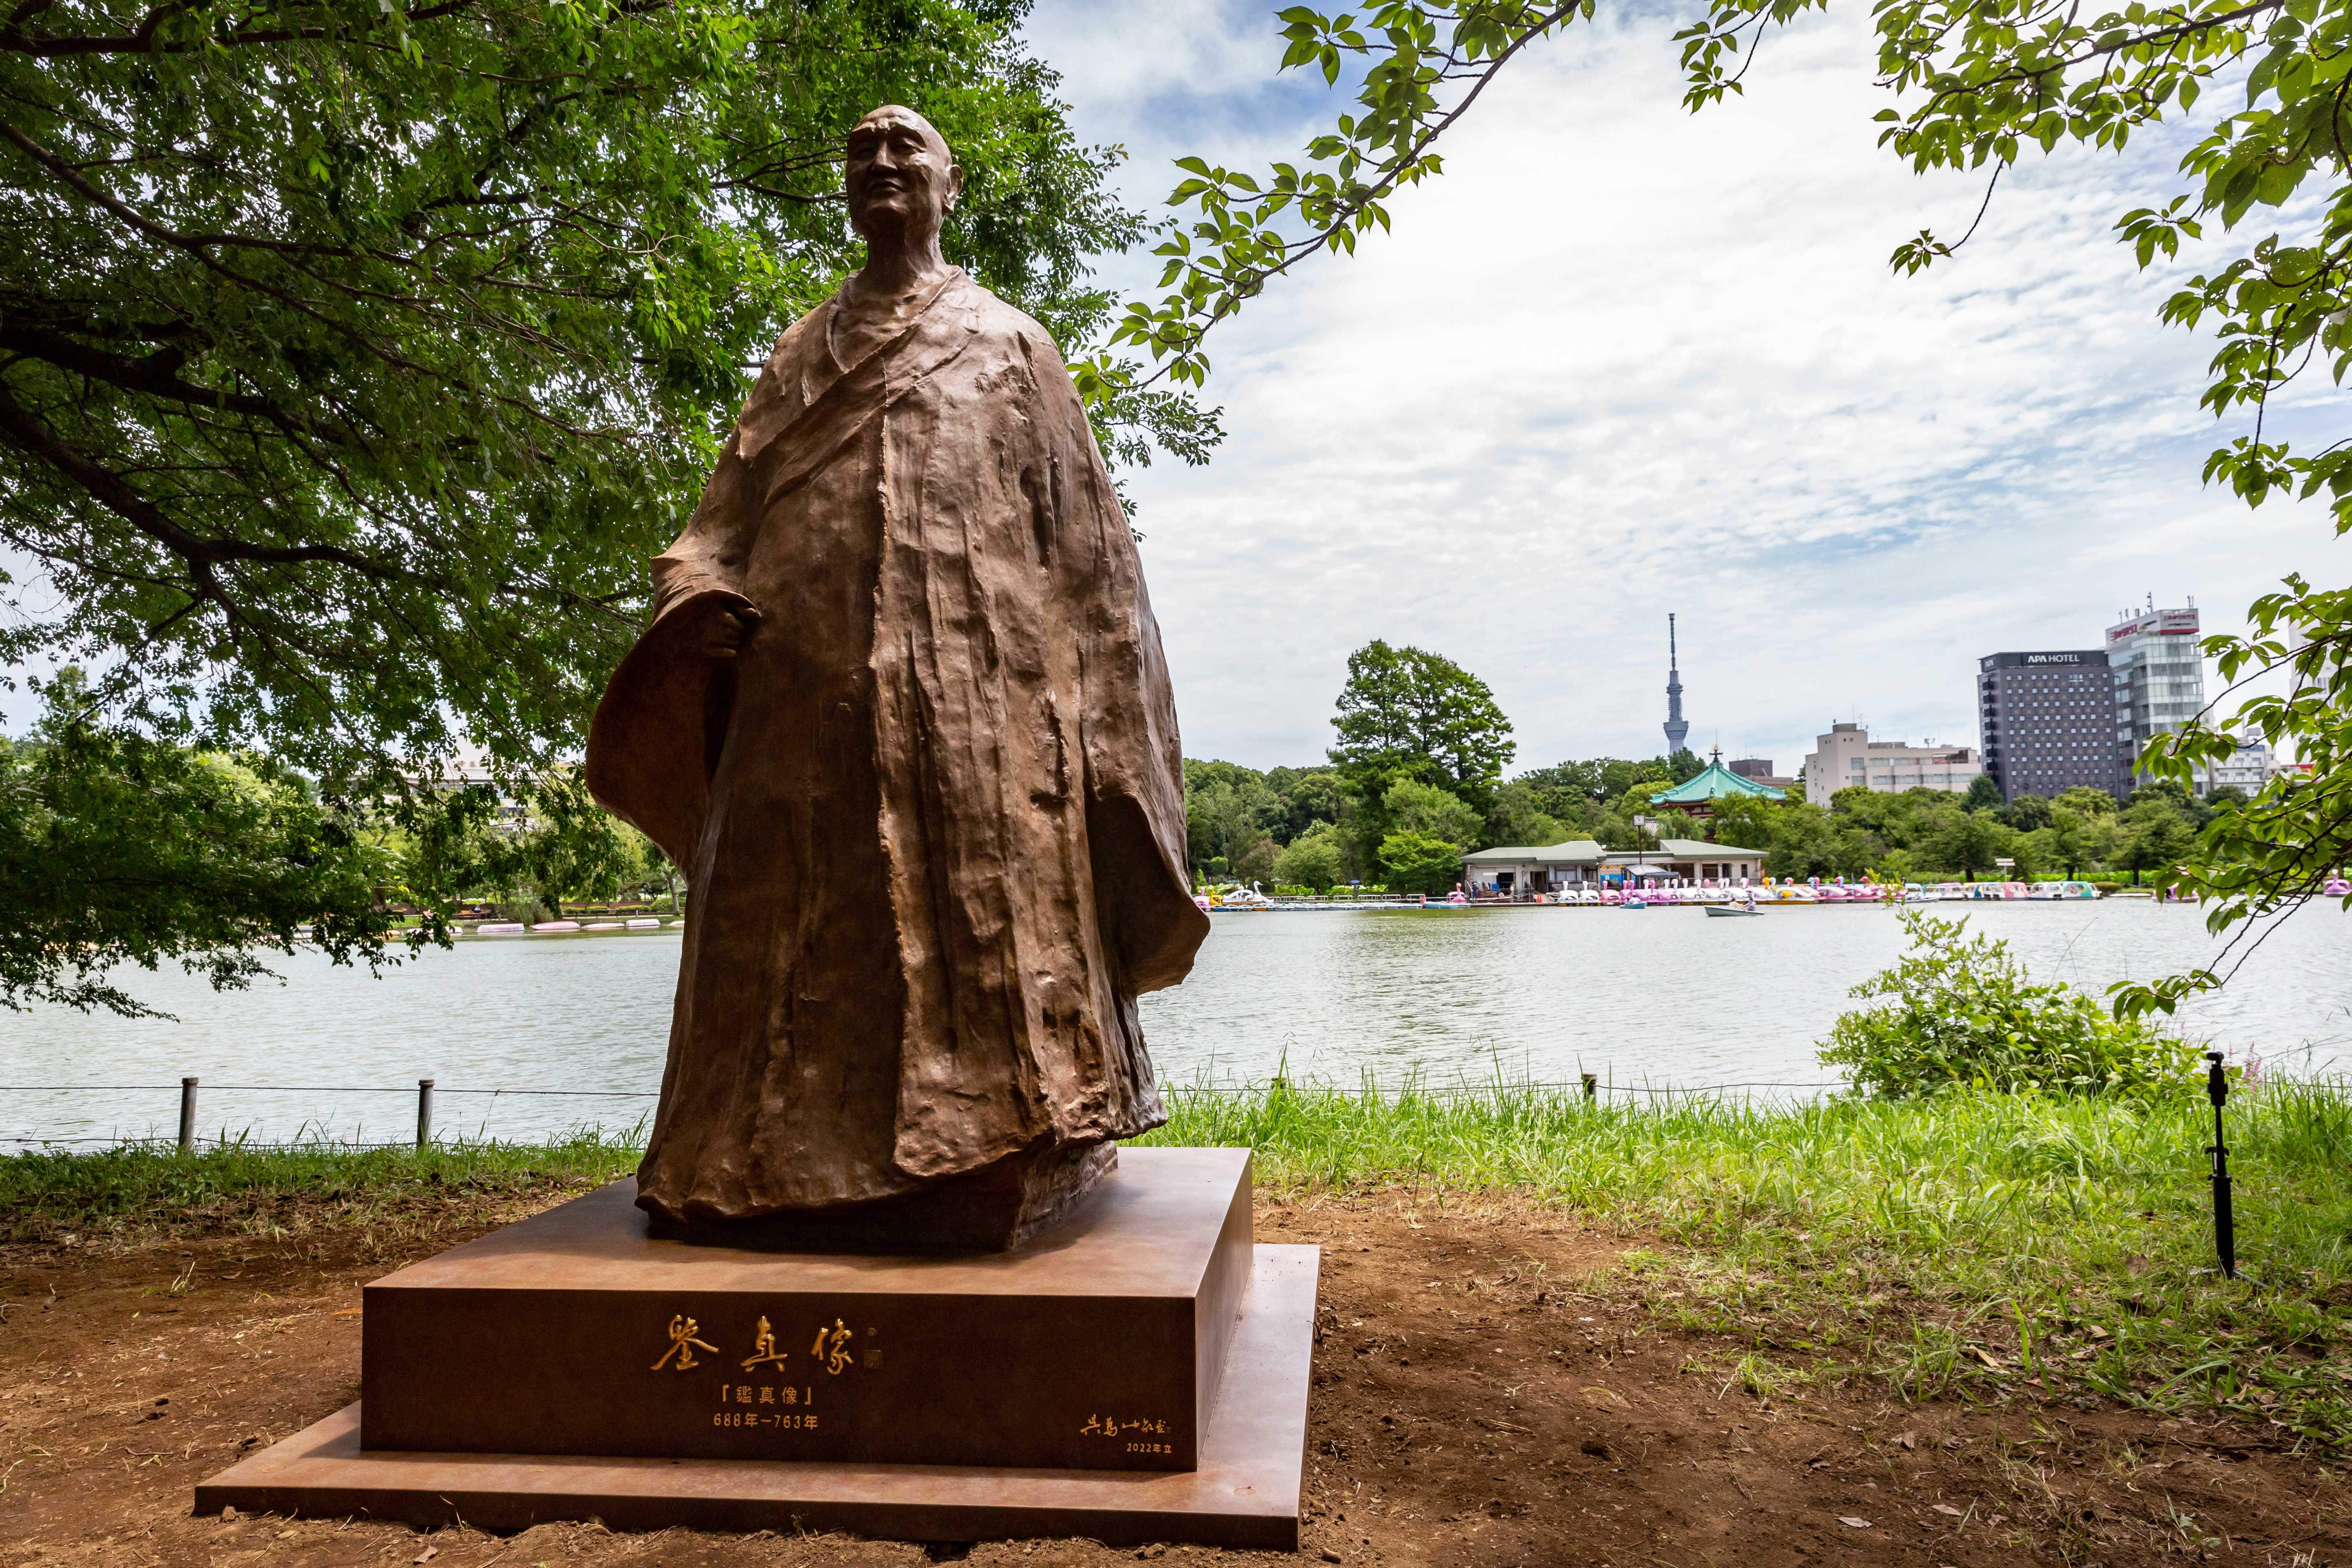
[[1481, 1396]]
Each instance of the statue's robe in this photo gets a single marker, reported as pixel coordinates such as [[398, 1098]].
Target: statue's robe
[[933, 813]]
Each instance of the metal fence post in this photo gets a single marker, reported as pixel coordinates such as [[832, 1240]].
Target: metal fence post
[[187, 1116], [423, 1112]]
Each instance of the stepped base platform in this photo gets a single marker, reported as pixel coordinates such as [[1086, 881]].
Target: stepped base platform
[[1137, 1371]]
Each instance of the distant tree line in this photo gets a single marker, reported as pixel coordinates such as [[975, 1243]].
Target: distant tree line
[[1415, 780], [121, 849], [1926, 834]]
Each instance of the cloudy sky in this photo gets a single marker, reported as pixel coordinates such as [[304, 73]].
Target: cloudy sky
[[1621, 361]]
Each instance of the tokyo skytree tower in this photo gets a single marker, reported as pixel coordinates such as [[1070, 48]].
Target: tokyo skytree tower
[[1676, 728]]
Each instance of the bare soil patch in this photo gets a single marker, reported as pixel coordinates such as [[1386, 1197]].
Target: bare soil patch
[[1485, 1392]]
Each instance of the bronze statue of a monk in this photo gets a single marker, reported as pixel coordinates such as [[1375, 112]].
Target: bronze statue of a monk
[[903, 717]]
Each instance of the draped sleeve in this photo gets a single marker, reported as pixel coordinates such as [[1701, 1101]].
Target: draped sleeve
[[655, 739], [1134, 758]]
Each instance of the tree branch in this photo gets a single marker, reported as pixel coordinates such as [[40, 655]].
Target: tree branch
[[73, 176], [27, 432], [14, 40], [154, 374]]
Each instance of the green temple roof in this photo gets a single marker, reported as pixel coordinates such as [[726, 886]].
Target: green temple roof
[[1718, 782]]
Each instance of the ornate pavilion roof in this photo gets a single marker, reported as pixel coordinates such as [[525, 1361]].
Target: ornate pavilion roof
[[1718, 782]]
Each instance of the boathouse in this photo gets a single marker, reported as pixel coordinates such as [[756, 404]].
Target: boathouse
[[1523, 870]]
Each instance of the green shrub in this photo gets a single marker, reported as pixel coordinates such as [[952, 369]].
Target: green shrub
[[1416, 863], [1312, 860], [1959, 1010]]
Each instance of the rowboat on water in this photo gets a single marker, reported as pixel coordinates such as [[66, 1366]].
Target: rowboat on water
[[1731, 911]]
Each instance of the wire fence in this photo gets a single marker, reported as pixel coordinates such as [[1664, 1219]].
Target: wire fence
[[322, 1089], [338, 1145], [1589, 1086], [1509, 1086]]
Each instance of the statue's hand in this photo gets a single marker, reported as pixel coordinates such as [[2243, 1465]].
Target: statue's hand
[[723, 638]]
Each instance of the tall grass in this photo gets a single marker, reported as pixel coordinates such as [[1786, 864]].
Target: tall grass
[[1992, 1180], [141, 1189], [1975, 1242]]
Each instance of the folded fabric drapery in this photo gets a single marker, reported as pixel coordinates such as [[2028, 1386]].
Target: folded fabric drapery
[[932, 812]]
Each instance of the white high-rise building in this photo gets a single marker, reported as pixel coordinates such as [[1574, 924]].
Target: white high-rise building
[[2159, 675], [1847, 758], [2249, 767]]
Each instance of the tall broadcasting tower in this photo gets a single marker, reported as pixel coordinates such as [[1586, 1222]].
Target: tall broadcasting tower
[[1676, 728]]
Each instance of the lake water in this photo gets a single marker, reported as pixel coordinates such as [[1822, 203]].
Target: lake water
[[1642, 998]]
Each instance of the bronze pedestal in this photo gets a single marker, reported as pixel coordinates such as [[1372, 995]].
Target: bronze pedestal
[[1136, 1371]]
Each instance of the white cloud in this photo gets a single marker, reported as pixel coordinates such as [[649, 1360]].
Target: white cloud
[[1621, 360]]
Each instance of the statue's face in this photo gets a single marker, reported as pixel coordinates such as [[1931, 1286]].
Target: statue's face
[[902, 179]]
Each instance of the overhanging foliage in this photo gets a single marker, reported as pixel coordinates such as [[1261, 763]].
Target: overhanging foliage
[[358, 353]]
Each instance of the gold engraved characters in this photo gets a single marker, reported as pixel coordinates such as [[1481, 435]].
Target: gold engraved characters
[[1109, 1426], [742, 1394], [1104, 1426], [683, 1344], [753, 1419], [832, 1347], [788, 1409], [764, 1346]]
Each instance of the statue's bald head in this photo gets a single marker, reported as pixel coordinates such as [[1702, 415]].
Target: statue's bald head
[[900, 114], [902, 179]]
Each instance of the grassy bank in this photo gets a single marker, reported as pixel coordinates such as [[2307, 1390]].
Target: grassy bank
[[1976, 1245], [144, 1192]]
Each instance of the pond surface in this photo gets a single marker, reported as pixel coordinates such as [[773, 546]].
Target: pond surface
[[1648, 998]]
